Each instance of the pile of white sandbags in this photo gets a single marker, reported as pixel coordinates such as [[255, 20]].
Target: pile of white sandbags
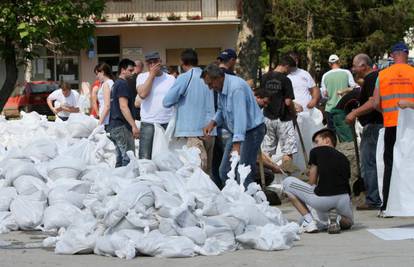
[[166, 208]]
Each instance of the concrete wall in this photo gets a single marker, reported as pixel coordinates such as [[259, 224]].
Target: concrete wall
[[160, 38]]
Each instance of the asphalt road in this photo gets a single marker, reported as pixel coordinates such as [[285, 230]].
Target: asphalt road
[[356, 247]]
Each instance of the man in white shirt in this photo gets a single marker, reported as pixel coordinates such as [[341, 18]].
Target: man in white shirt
[[307, 94], [152, 86], [66, 101]]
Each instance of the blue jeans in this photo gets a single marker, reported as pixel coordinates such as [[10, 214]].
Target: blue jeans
[[124, 141], [219, 146], [369, 164], [248, 154], [146, 139]]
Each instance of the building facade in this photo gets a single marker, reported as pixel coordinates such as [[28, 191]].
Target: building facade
[[131, 28]]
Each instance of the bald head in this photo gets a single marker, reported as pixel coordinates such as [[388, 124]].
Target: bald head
[[363, 59], [362, 65]]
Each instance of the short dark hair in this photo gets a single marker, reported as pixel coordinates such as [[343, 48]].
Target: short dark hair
[[262, 93], [189, 57], [325, 133], [124, 64], [213, 71], [287, 61]]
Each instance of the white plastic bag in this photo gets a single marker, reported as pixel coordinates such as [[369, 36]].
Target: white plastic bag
[[59, 215], [7, 194], [380, 161], [401, 195], [27, 213]]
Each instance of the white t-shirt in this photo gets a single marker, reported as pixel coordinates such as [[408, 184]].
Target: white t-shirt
[[152, 110], [302, 82], [101, 99], [60, 100]]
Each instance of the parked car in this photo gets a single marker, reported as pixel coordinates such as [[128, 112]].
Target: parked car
[[30, 97]]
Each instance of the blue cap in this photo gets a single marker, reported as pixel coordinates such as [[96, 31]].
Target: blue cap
[[400, 46], [227, 54]]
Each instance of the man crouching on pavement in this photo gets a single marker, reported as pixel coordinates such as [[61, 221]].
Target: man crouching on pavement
[[328, 189]]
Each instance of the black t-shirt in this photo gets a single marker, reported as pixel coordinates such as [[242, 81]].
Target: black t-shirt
[[132, 83], [333, 171], [367, 91], [120, 89], [280, 87], [228, 71]]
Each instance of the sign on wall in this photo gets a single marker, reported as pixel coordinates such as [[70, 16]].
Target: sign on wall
[[133, 53]]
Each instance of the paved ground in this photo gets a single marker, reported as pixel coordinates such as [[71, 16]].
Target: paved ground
[[356, 247]]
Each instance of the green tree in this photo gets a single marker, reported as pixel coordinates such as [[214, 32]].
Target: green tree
[[62, 25], [337, 26]]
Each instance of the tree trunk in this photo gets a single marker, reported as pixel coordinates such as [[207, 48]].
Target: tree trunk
[[310, 37], [11, 72], [249, 39]]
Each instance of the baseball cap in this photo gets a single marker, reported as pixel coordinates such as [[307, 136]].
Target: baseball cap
[[400, 46], [152, 55], [333, 58], [227, 54]]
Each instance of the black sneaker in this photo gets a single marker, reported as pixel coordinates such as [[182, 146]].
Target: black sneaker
[[333, 225]]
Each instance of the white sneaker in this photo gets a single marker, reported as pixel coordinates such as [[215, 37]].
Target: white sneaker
[[309, 227]]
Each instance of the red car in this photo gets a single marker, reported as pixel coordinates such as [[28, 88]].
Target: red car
[[30, 97]]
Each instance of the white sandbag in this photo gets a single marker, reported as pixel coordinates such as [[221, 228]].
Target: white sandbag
[[115, 245], [16, 168], [218, 244], [167, 161], [146, 166], [61, 196], [401, 195], [7, 194], [309, 122], [41, 149], [80, 236], [27, 213], [134, 193], [59, 215], [65, 167], [380, 161], [28, 185], [162, 157], [7, 222], [156, 244], [80, 125], [269, 237]]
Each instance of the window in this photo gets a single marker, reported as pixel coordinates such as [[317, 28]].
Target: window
[[109, 49], [51, 67]]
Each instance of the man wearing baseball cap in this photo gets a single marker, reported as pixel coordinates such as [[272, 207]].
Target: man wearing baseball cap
[[395, 86], [227, 60], [152, 87], [334, 81]]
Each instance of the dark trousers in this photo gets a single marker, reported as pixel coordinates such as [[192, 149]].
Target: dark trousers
[[389, 141], [330, 121]]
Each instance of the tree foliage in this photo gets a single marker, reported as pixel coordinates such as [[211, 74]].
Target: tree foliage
[[344, 27], [63, 25]]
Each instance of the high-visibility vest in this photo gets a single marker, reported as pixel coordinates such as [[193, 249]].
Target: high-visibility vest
[[395, 83]]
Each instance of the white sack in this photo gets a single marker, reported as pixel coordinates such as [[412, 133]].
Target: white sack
[[27, 213], [401, 195], [28, 185], [59, 215], [7, 194], [380, 160], [7, 222], [269, 237]]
